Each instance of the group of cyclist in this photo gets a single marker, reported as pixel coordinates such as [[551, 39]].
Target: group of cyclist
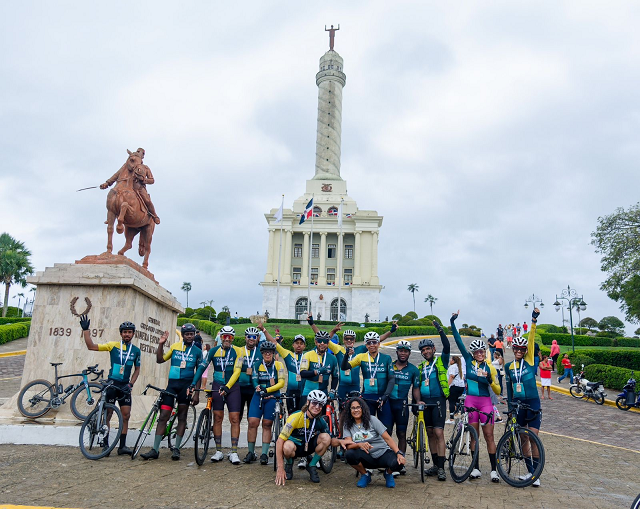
[[372, 388]]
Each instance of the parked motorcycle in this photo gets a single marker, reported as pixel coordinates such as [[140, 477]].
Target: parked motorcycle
[[629, 397], [582, 388]]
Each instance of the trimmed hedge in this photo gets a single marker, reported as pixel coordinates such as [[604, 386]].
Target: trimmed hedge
[[617, 358], [13, 331], [633, 342], [6, 320], [565, 339], [203, 325], [612, 376], [577, 360], [317, 322]]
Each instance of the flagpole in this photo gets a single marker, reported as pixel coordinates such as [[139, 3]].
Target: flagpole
[[310, 257], [279, 257], [340, 260]]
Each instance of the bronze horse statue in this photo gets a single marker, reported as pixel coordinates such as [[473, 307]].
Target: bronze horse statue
[[125, 204]]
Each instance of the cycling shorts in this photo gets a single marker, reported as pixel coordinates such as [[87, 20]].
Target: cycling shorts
[[383, 413], [246, 395], [435, 416], [526, 418], [301, 453], [482, 403], [232, 400], [113, 394], [399, 414], [179, 388], [266, 411], [295, 404]]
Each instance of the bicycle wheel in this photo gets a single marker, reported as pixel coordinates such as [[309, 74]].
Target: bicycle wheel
[[412, 442], [188, 430], [82, 403], [145, 431], [329, 457], [512, 461], [462, 458], [35, 398], [275, 433], [202, 436], [422, 447], [95, 431], [576, 391]]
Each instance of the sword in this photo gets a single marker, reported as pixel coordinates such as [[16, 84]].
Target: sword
[[85, 188]]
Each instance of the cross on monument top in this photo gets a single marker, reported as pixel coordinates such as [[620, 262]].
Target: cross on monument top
[[332, 34]]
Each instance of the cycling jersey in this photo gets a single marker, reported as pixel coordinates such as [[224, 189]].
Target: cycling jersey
[[122, 361], [521, 376], [226, 365], [405, 378], [270, 378], [352, 376], [476, 385], [184, 361], [327, 366], [433, 379], [292, 361], [298, 423], [376, 372], [249, 358]]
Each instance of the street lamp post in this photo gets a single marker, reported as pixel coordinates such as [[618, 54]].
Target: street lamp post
[[570, 295], [534, 299]]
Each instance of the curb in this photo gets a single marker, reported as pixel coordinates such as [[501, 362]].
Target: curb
[[13, 354], [566, 392]]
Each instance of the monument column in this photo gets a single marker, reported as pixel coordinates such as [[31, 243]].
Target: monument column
[[304, 280], [269, 277], [357, 256], [322, 276], [374, 259], [286, 265]]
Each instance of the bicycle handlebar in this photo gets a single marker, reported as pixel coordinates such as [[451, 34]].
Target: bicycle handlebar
[[162, 391]]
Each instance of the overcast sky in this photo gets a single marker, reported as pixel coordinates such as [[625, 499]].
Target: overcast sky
[[490, 136]]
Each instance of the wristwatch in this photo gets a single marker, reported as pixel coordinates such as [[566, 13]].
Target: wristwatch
[[400, 453]]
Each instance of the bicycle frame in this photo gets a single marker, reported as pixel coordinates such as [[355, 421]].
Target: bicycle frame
[[62, 393]]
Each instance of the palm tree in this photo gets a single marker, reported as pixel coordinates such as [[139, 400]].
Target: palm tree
[[208, 303], [15, 265], [20, 297], [413, 288], [186, 287], [431, 300]]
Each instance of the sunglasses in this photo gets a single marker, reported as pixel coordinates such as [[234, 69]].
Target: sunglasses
[[323, 341], [520, 348], [315, 403], [372, 342], [252, 336], [226, 336]]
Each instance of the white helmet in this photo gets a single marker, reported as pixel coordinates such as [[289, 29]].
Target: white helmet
[[317, 396], [251, 331], [372, 336], [348, 332], [520, 342], [477, 344], [403, 345], [227, 329]]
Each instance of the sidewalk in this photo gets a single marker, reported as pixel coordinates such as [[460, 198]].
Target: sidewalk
[[563, 388], [17, 345]]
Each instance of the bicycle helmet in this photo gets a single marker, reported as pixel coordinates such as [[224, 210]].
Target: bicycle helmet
[[477, 344], [372, 336], [348, 332], [521, 342], [187, 327], [300, 337], [426, 342], [127, 326], [403, 345], [322, 336], [267, 346], [227, 330], [252, 331], [317, 396]]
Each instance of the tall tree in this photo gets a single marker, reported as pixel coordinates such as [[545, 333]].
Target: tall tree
[[431, 300], [617, 238], [15, 265], [186, 287], [611, 324], [413, 288], [588, 322]]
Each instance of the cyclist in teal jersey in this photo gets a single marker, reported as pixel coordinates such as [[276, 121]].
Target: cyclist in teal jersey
[[125, 357], [378, 374], [292, 360], [406, 376], [317, 366], [481, 377], [520, 375], [185, 357], [433, 389]]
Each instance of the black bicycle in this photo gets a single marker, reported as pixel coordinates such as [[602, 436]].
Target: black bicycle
[[279, 420], [517, 447], [39, 396], [462, 445]]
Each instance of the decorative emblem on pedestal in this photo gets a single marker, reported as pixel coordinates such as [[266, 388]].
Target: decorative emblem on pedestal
[[72, 306], [327, 188], [321, 297]]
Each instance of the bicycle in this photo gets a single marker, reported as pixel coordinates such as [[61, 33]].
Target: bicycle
[[515, 448], [418, 440], [39, 396], [171, 430], [461, 457], [95, 429], [203, 432], [279, 420], [329, 457]]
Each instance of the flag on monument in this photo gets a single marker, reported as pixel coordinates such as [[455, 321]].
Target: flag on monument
[[278, 215], [307, 212], [340, 216]]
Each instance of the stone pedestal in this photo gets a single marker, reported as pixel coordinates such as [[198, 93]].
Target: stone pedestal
[[109, 294]]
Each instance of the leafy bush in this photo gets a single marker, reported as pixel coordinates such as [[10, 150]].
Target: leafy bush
[[4, 321], [550, 328], [577, 360], [613, 377], [397, 316], [467, 331], [565, 339], [203, 325], [13, 331], [222, 317], [619, 358], [412, 314], [431, 318], [627, 342]]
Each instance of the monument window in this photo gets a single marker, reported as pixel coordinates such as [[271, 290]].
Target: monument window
[[334, 310], [297, 250], [315, 250], [348, 275], [301, 308], [314, 274], [317, 210], [331, 275], [331, 251], [297, 273], [333, 211], [348, 251]]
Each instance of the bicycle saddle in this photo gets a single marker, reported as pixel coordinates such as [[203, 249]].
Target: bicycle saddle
[[56, 363]]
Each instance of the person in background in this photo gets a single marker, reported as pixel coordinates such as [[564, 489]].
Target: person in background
[[455, 373], [545, 376], [197, 340], [491, 343], [555, 352], [205, 375], [498, 363], [525, 327], [499, 347], [568, 369]]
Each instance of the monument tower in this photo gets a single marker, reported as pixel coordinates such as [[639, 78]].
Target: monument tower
[[344, 260]]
